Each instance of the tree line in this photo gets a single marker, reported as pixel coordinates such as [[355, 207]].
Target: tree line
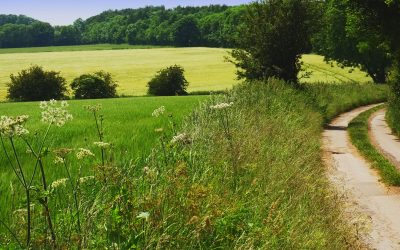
[[213, 26]]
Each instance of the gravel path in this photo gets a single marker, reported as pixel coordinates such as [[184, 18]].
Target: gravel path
[[368, 201]]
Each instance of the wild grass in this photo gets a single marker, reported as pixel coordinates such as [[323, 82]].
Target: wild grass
[[358, 130], [128, 123], [244, 171], [393, 111], [333, 99]]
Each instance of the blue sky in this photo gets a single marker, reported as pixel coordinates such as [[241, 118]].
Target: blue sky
[[61, 12]]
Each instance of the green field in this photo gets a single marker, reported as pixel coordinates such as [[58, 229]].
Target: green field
[[128, 122], [206, 68]]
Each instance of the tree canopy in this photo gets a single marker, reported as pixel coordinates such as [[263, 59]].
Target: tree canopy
[[214, 25]]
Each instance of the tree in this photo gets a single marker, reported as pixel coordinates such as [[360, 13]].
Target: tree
[[345, 39], [168, 82], [35, 84], [97, 85], [186, 32], [274, 35]]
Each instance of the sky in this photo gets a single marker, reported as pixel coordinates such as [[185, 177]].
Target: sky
[[63, 12]]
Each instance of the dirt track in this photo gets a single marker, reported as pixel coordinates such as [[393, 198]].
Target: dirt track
[[378, 205]]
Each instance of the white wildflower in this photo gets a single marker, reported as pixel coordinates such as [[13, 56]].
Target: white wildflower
[[182, 138], [55, 114], [222, 105], [13, 126], [58, 183], [83, 153], [158, 112], [85, 179], [143, 215], [102, 145], [59, 160], [93, 108]]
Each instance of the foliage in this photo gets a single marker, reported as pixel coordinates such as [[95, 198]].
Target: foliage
[[346, 39], [168, 81], [35, 84], [214, 25], [359, 134], [186, 32], [97, 85], [274, 35], [26, 34]]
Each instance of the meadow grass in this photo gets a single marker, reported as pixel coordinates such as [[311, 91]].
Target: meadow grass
[[132, 66], [358, 131], [128, 124]]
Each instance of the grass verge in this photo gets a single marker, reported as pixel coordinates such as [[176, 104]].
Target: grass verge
[[358, 131], [243, 172]]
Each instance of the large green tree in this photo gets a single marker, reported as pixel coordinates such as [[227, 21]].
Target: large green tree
[[347, 39], [274, 35]]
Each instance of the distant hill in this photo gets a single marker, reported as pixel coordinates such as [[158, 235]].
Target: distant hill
[[212, 26]]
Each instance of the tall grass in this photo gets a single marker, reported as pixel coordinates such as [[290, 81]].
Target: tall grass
[[244, 171]]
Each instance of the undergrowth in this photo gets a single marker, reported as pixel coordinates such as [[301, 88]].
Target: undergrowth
[[244, 171]]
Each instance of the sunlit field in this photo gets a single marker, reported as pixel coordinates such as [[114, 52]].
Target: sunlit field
[[133, 66], [205, 68]]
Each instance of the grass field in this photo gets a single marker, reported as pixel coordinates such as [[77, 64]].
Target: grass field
[[129, 126], [206, 68]]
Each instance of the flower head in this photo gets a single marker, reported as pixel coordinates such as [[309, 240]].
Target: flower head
[[181, 138], [93, 108], [85, 179], [13, 126], [143, 215], [83, 153], [59, 160], [222, 105], [52, 113], [102, 145], [58, 183], [158, 112]]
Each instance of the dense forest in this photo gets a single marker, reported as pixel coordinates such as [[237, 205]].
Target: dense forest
[[214, 26]]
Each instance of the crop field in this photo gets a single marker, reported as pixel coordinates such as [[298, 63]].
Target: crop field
[[324, 72], [133, 66], [128, 124]]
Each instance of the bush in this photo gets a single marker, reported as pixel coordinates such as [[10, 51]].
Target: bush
[[35, 84], [97, 85], [168, 82]]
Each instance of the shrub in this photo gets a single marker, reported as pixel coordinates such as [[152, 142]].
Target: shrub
[[169, 81], [97, 85], [35, 84]]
